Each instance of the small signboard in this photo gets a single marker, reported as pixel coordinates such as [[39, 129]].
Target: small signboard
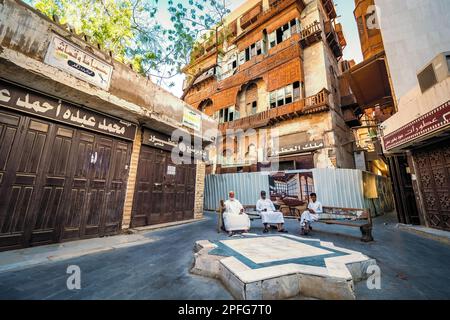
[[192, 119], [72, 59], [171, 170]]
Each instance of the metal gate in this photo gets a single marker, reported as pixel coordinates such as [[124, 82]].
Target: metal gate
[[164, 191], [433, 170], [57, 182]]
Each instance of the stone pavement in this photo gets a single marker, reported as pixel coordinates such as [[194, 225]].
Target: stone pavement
[[413, 267], [24, 258]]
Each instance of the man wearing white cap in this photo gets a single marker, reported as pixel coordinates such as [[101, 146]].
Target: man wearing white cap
[[234, 217]]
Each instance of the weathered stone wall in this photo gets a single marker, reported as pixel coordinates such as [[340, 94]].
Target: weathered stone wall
[[25, 35]]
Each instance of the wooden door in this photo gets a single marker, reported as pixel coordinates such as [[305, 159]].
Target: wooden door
[[170, 170], [116, 189], [164, 191], [433, 171], [22, 144], [78, 198], [58, 183], [405, 199], [51, 201]]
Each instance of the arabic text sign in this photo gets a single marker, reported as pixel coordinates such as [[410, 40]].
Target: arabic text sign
[[192, 119], [428, 123], [299, 148], [26, 101], [161, 141], [68, 57]]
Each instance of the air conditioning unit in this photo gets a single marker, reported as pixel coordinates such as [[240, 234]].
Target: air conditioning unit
[[436, 71]]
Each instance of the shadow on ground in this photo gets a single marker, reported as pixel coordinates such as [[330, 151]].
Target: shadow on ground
[[412, 267]]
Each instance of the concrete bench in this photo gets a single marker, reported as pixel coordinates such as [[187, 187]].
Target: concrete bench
[[349, 217]]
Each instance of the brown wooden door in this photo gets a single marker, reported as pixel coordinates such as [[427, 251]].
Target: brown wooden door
[[164, 191], [116, 190], [22, 144], [51, 202], [433, 171], [405, 199], [58, 183]]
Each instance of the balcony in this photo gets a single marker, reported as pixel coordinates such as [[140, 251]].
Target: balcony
[[311, 34], [249, 20], [328, 5], [316, 103], [333, 39], [251, 16]]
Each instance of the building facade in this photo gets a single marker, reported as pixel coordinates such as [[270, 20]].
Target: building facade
[[417, 46], [86, 142], [271, 81], [402, 86]]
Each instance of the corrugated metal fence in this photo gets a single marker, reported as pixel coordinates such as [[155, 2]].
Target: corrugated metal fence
[[247, 187], [335, 187]]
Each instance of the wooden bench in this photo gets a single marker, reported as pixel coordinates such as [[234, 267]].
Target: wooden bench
[[350, 217]]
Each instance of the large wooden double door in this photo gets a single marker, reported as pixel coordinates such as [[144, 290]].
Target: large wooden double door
[[433, 171], [164, 191], [58, 183]]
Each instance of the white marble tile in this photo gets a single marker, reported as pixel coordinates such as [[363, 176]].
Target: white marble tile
[[270, 249], [333, 281]]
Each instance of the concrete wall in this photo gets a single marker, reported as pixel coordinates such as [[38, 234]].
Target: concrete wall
[[413, 35]]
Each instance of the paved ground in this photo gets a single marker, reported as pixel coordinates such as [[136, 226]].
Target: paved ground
[[413, 267]]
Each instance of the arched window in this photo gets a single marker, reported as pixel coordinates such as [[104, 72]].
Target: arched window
[[251, 99], [205, 105]]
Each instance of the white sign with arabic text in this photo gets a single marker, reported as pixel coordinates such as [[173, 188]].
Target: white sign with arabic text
[[70, 58]]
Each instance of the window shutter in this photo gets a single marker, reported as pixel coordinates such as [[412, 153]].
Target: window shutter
[[272, 39], [241, 57]]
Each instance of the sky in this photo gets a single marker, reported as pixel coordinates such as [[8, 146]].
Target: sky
[[344, 10]]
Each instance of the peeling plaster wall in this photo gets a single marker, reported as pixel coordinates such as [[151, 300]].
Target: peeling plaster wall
[[25, 35]]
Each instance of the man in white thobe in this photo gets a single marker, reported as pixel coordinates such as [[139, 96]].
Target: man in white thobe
[[234, 217], [310, 215], [268, 213]]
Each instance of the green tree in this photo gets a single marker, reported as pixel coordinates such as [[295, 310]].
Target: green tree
[[131, 29]]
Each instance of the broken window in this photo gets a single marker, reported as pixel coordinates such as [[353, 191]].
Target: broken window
[[297, 92], [254, 107], [280, 97], [284, 33], [285, 95], [273, 100], [272, 40], [288, 94], [227, 115], [258, 48]]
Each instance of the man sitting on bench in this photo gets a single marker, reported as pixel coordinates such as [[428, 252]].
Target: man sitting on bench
[[268, 213], [310, 215], [234, 217]]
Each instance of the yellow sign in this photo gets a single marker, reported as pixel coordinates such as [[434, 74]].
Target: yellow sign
[[192, 119]]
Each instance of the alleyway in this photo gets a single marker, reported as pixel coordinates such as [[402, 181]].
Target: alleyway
[[412, 267]]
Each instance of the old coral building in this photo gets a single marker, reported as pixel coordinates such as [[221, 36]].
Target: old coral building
[[85, 142], [274, 70]]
